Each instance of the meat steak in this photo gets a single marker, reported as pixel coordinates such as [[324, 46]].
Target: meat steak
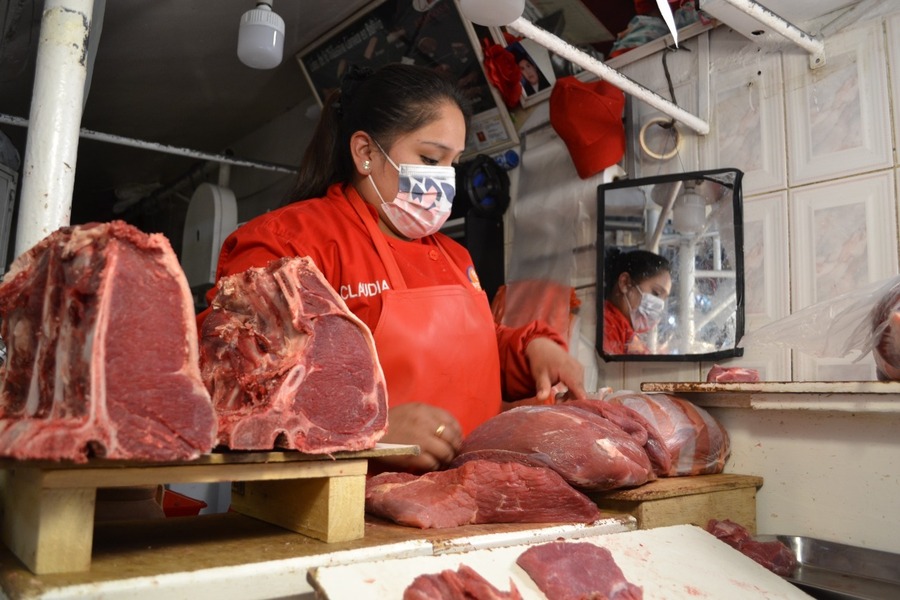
[[720, 374], [480, 491], [577, 570], [587, 450], [288, 365], [99, 325], [463, 584], [773, 555], [697, 444]]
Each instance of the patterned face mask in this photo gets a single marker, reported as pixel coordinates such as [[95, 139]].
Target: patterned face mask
[[424, 198]]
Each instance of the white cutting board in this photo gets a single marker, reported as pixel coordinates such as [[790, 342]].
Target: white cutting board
[[682, 561]]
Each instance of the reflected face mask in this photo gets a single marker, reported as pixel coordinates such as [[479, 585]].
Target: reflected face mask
[[648, 313], [424, 198]]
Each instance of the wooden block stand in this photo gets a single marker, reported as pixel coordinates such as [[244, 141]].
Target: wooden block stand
[[48, 508], [687, 500]]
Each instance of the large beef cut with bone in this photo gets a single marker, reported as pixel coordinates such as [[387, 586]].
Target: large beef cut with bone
[[102, 351], [288, 365]]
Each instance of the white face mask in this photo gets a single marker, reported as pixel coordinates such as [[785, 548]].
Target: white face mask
[[424, 198], [648, 313]]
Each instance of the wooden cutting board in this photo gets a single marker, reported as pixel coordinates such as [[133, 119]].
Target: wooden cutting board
[[681, 561]]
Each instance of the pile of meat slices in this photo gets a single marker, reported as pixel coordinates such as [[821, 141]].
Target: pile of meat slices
[[534, 463], [102, 356], [561, 570]]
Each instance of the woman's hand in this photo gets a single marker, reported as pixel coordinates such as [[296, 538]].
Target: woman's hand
[[551, 364], [434, 430]]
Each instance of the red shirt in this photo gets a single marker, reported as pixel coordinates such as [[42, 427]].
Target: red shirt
[[618, 334], [330, 232]]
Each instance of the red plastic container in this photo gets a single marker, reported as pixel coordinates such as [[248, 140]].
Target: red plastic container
[[179, 505]]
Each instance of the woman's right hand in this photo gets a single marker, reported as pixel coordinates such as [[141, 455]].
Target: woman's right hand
[[434, 430]]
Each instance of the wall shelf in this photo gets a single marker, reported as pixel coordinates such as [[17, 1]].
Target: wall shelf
[[843, 396]]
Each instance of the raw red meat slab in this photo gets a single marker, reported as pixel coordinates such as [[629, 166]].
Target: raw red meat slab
[[695, 441], [480, 491], [102, 351], [463, 584], [577, 570], [773, 555], [588, 451], [288, 365]]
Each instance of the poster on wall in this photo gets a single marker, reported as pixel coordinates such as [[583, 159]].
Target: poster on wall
[[422, 32]]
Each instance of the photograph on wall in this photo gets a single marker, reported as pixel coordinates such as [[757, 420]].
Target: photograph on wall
[[430, 33], [537, 70]]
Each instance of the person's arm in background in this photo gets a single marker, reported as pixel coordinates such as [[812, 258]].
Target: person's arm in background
[[533, 359]]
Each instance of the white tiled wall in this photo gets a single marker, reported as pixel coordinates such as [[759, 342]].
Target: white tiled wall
[[818, 150]]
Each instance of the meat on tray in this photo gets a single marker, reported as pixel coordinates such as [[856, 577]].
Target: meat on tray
[[479, 491], [288, 365], [463, 584], [577, 570], [720, 374], [102, 351], [587, 450], [773, 555], [697, 444]]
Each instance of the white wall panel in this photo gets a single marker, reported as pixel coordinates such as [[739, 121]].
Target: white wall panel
[[837, 115], [747, 121]]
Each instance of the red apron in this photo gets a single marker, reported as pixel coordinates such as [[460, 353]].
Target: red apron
[[437, 345]]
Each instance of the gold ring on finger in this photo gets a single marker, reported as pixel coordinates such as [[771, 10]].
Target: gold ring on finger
[[440, 430]]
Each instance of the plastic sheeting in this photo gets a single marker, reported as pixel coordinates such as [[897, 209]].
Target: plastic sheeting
[[553, 249]]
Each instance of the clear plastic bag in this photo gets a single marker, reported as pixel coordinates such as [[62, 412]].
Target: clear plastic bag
[[864, 320]]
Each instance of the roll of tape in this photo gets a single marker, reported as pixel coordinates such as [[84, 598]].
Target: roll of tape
[[679, 139]]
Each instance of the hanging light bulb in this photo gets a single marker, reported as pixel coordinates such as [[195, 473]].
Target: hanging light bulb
[[492, 12], [261, 37]]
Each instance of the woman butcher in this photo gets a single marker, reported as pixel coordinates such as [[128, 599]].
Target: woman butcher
[[355, 210], [637, 285]]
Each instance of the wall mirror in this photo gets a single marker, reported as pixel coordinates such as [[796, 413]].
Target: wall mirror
[[670, 267]]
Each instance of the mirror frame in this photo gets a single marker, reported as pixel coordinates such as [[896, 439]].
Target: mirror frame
[[737, 203]]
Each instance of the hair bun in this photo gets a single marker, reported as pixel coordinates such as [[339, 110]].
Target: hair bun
[[352, 79]]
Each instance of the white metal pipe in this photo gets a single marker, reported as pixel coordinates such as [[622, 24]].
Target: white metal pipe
[[56, 106], [585, 61], [811, 44], [653, 246], [157, 147]]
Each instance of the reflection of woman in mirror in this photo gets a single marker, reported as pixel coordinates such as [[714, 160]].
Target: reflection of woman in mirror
[[637, 285]]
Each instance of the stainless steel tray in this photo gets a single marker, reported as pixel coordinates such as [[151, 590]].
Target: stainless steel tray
[[833, 571]]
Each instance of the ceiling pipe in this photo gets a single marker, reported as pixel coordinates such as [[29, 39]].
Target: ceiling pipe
[[165, 148], [589, 63], [724, 11]]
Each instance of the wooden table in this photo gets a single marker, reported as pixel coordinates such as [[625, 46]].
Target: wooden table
[[231, 555], [48, 517]]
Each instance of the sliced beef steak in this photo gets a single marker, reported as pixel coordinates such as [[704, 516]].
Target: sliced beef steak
[[479, 491], [587, 450], [288, 365], [577, 570], [99, 325], [463, 584]]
